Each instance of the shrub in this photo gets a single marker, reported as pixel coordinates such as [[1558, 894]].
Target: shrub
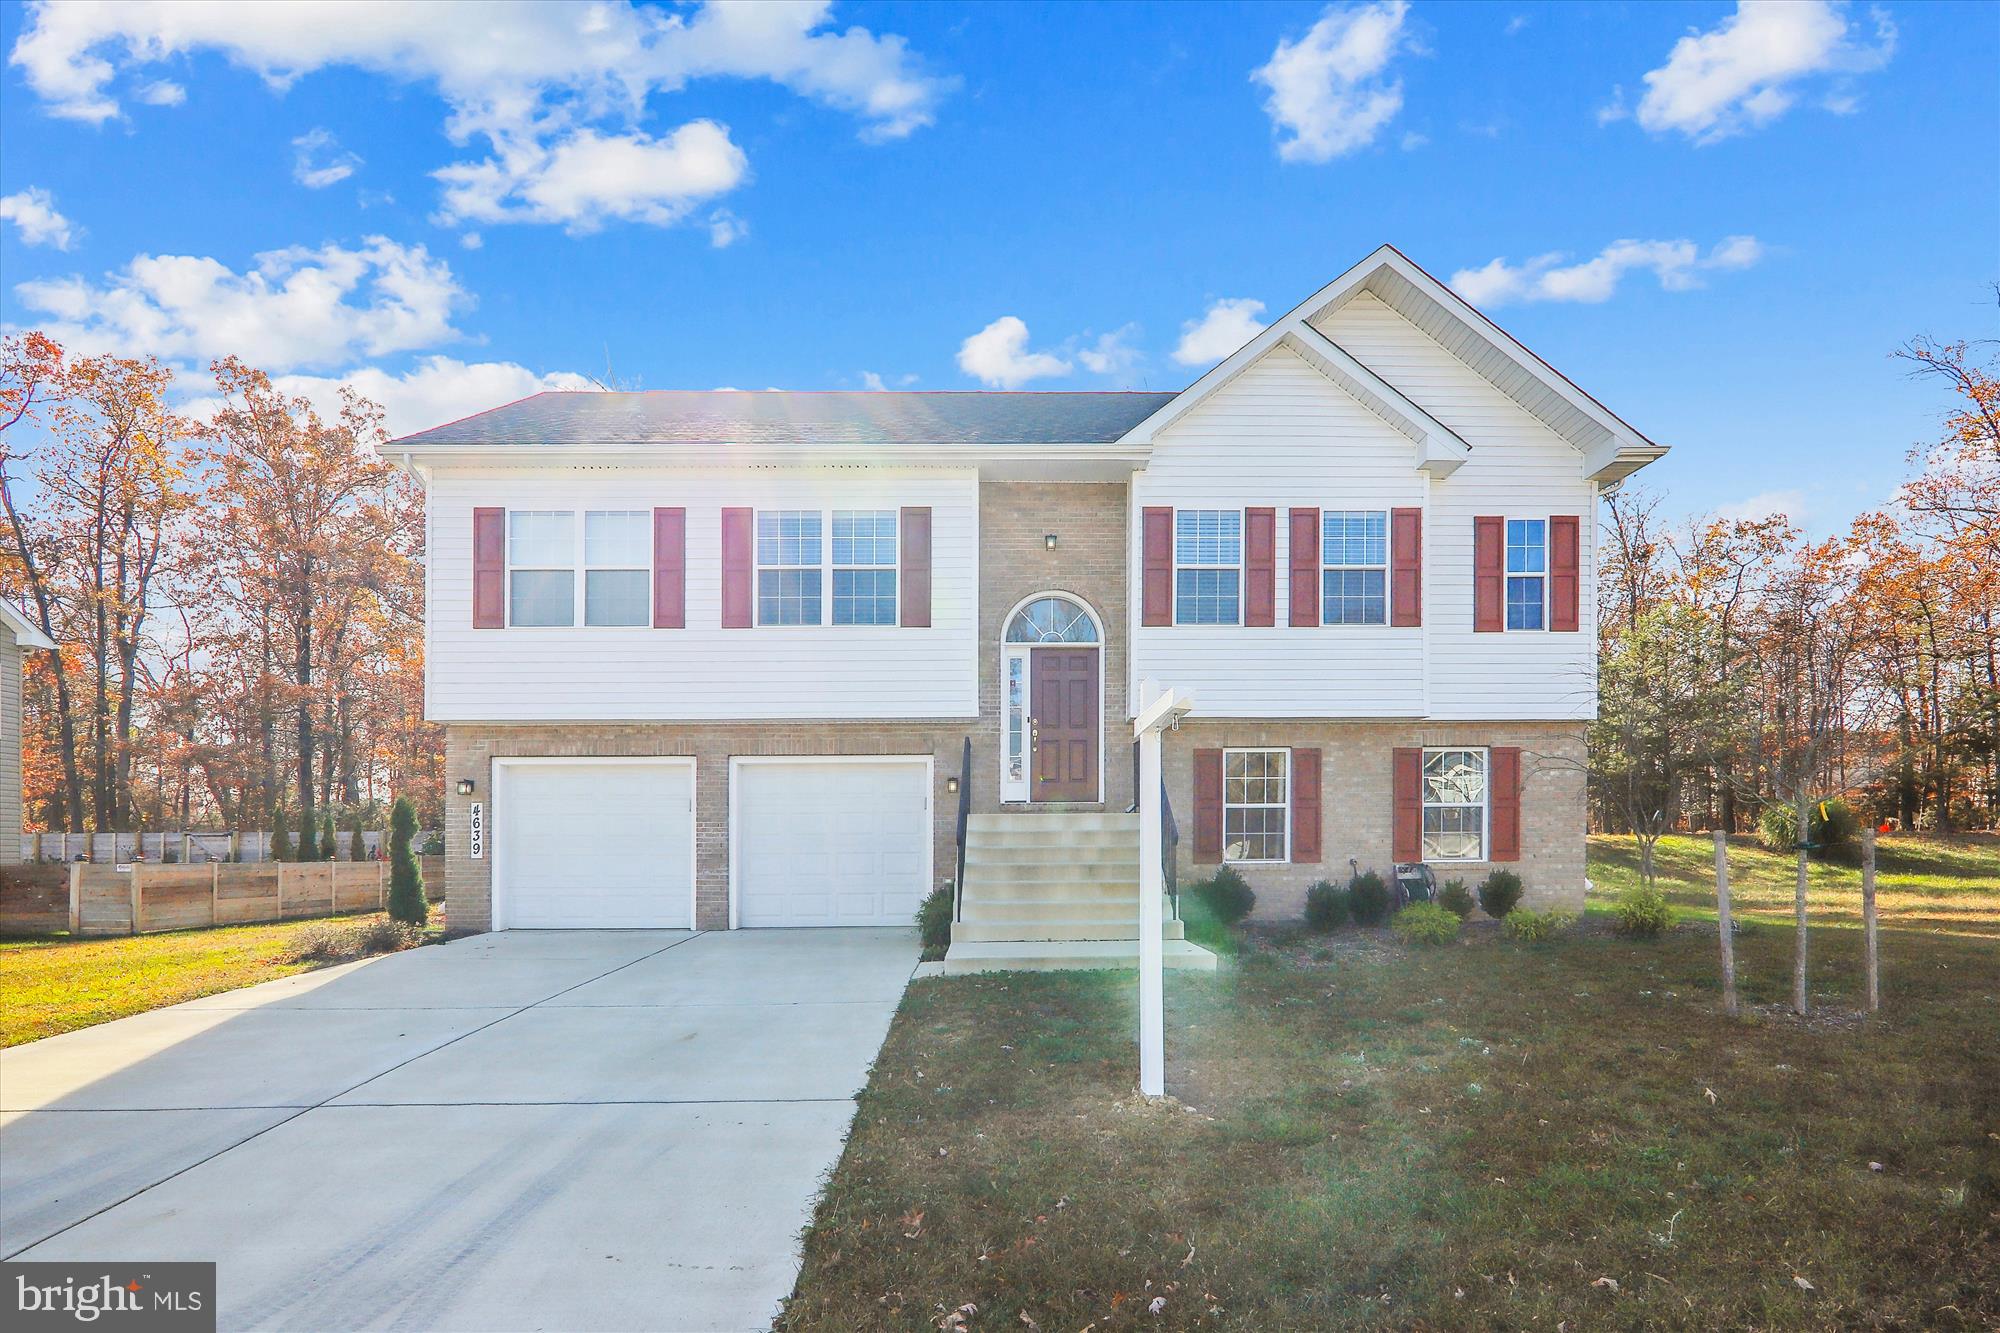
[[434, 845], [357, 842], [1455, 898], [1368, 898], [406, 877], [1226, 896], [1532, 927], [1832, 825], [934, 922], [1499, 892], [1642, 912], [281, 835], [326, 836], [1326, 906], [308, 841], [331, 941], [1199, 922], [1425, 923]]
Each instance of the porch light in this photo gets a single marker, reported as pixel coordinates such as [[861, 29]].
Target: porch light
[[1049, 540], [465, 786], [951, 785]]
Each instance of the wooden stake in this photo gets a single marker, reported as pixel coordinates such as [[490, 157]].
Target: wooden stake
[[1725, 928], [1869, 933]]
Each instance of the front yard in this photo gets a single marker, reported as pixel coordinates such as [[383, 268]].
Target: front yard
[[1486, 1134]]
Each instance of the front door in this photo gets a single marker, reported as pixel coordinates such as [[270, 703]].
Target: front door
[[1062, 723]]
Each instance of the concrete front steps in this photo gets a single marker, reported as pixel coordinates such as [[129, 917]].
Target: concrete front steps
[[1050, 892]]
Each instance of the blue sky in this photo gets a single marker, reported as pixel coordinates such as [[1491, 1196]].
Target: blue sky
[[1720, 223]]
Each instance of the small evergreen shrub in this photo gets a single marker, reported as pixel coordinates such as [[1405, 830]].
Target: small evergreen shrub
[[1455, 898], [1425, 924], [934, 922], [1532, 927], [326, 836], [1832, 825], [1368, 898], [1200, 925], [1642, 912], [1326, 906], [434, 845], [308, 845], [357, 842], [1226, 895], [1499, 892], [281, 835], [406, 877]]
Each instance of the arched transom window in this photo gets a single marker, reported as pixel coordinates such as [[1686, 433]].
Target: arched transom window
[[1052, 620]]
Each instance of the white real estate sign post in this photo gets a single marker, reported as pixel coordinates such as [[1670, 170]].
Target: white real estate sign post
[[1158, 710]]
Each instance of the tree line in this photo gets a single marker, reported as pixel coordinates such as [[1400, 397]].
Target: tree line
[[1746, 665], [237, 592]]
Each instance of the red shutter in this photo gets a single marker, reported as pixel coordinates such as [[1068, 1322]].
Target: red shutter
[[1564, 572], [737, 568], [1406, 567], [915, 577], [1305, 806], [1305, 567], [1407, 778], [1489, 574], [1503, 782], [1156, 567], [1208, 806], [489, 568], [1260, 566], [669, 568]]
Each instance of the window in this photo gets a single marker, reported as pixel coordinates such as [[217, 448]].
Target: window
[[1256, 804], [1052, 620], [1354, 548], [1527, 568], [1454, 805], [864, 566], [788, 567], [541, 568], [1208, 566], [617, 567]]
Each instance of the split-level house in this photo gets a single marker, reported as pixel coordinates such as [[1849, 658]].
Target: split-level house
[[756, 659]]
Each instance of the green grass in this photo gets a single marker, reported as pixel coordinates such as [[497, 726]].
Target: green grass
[[57, 985], [1485, 1135]]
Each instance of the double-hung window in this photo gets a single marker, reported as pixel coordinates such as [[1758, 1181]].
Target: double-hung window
[[788, 567], [617, 567], [864, 566], [1455, 805], [541, 568], [1527, 572], [1354, 550], [1208, 566], [1256, 805]]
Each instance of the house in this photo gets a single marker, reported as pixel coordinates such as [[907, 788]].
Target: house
[[17, 633], [734, 659]]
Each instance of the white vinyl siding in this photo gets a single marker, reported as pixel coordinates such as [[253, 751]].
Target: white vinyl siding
[[702, 672], [1519, 468], [1281, 435]]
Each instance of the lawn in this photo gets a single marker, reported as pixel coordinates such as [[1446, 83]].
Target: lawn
[[1483, 1135], [58, 985]]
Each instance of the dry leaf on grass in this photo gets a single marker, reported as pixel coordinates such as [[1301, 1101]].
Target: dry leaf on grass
[[1610, 1284], [914, 1221], [1803, 1284]]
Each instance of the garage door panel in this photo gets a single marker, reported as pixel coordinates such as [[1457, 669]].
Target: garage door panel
[[596, 846], [844, 844]]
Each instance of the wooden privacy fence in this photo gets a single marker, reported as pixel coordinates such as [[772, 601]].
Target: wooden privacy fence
[[103, 900]]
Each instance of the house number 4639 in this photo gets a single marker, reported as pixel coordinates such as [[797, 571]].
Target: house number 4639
[[477, 827]]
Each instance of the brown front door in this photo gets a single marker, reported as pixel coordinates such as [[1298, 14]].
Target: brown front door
[[1062, 716]]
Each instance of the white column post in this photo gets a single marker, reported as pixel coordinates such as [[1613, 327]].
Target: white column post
[[1152, 890]]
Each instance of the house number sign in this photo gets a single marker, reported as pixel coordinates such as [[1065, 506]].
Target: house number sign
[[477, 830]]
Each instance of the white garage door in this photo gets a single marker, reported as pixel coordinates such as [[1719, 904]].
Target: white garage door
[[594, 846], [831, 844]]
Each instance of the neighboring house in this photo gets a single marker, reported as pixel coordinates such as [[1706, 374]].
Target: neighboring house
[[17, 633], [711, 658]]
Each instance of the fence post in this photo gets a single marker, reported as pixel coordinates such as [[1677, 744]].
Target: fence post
[[38, 847], [1870, 935], [138, 894], [333, 887], [1724, 927], [75, 895], [235, 845], [214, 894], [381, 886]]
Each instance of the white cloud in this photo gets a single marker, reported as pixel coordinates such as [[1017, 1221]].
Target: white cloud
[[318, 160], [1112, 353], [1765, 504], [726, 229], [1225, 326], [1615, 109], [1328, 90], [536, 79], [1678, 265], [1748, 70], [296, 309], [437, 390], [875, 383], [162, 92], [998, 356], [1412, 140], [588, 178], [471, 240], [33, 210]]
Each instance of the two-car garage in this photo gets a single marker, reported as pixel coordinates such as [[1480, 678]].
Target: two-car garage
[[601, 844]]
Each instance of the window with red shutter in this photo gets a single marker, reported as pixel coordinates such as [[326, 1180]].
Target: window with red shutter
[[738, 555], [916, 570], [669, 568], [1407, 815], [1208, 806], [1304, 566], [1156, 566], [1565, 571], [1406, 567], [1489, 574], [1305, 806], [489, 568], [1260, 566]]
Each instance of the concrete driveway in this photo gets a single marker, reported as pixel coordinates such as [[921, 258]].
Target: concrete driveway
[[551, 1130]]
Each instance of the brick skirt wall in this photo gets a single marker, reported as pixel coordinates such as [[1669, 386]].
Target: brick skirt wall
[[1356, 802]]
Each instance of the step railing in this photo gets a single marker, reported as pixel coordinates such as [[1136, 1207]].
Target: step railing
[[1170, 842], [964, 818]]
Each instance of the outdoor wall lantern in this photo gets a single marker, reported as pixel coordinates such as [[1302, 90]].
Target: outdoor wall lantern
[[951, 785], [465, 786], [1049, 540]]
